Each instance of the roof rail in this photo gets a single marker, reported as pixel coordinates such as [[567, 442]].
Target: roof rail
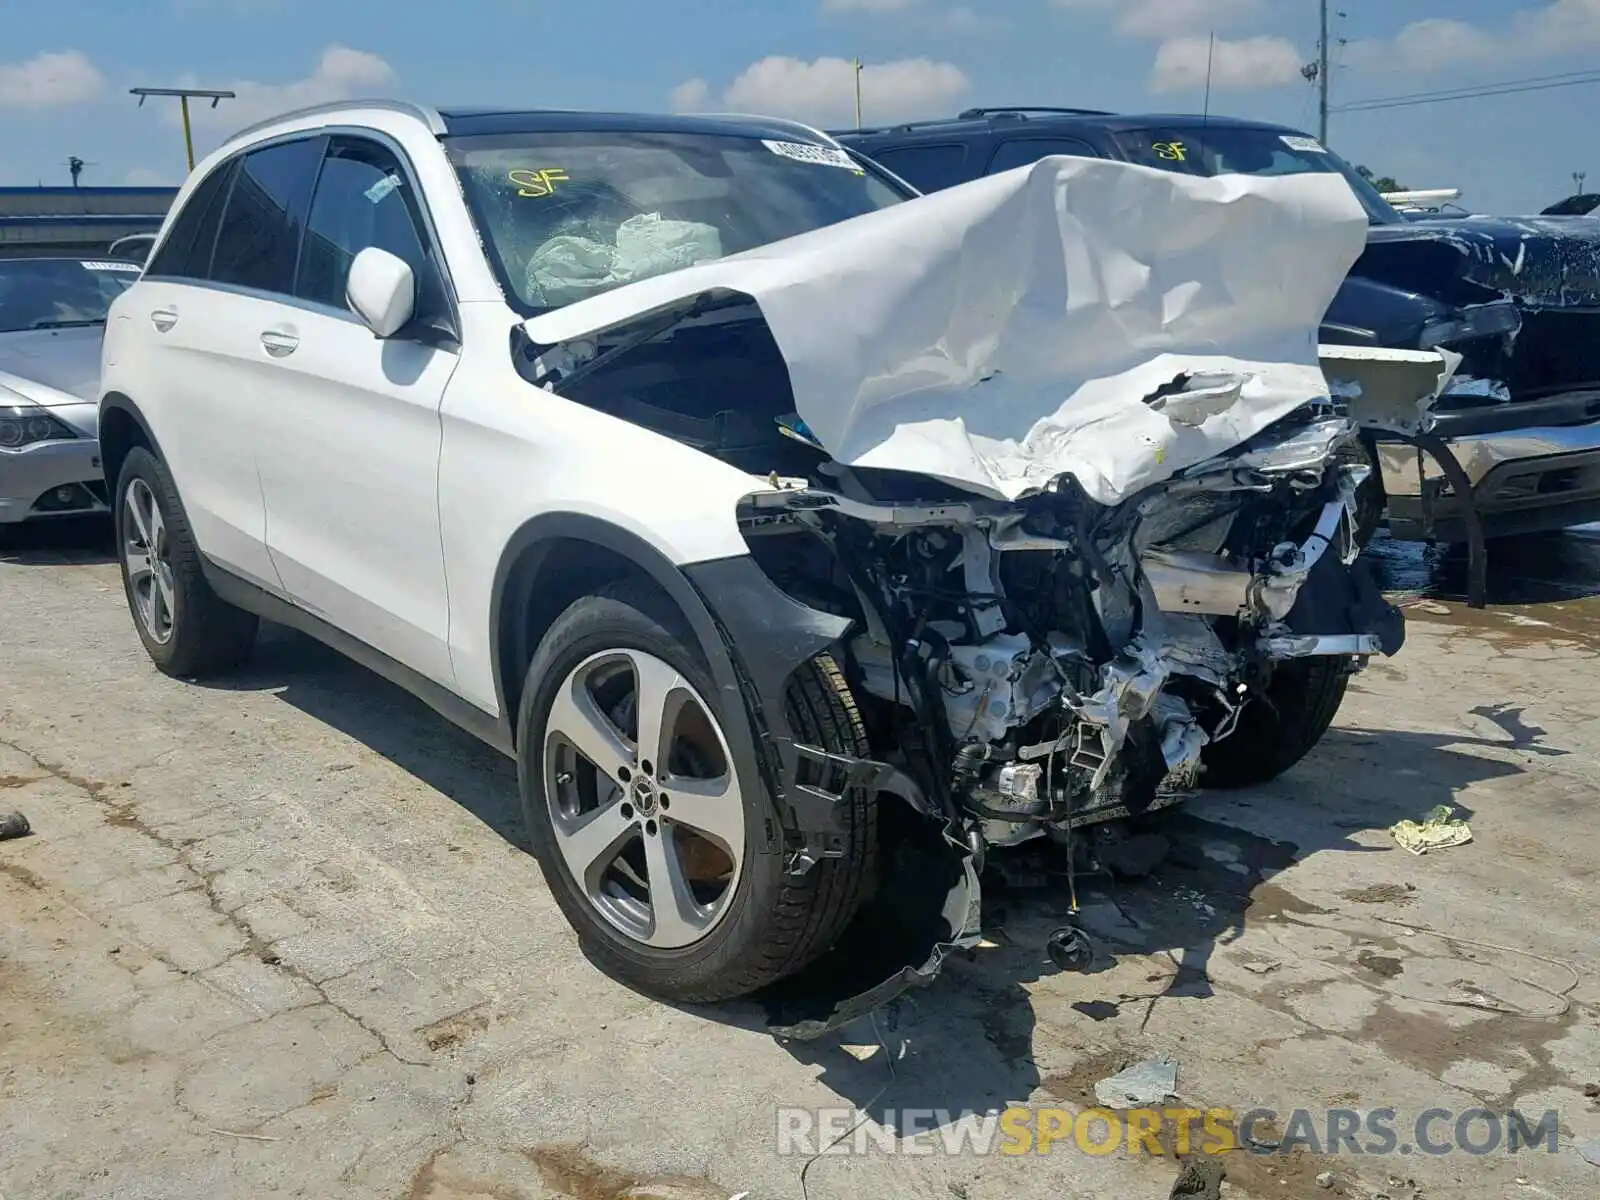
[[428, 116], [1022, 110], [897, 127]]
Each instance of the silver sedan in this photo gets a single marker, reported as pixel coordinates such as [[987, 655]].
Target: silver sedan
[[52, 318]]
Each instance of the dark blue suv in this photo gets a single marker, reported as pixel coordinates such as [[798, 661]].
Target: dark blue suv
[[1519, 299]]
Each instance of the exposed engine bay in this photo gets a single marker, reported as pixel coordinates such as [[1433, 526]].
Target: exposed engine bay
[[1040, 666]]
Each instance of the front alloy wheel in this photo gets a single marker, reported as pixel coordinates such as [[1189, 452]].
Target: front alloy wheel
[[643, 800], [146, 559]]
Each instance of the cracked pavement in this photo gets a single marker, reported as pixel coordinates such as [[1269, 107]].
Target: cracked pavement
[[277, 936]]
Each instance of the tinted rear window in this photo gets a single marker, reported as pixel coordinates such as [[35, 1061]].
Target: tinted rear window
[[927, 168], [259, 242], [187, 251], [1022, 152]]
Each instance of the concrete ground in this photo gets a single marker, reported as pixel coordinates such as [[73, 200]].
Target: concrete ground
[[278, 938]]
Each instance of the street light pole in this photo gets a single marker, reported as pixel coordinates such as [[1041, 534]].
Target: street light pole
[[184, 95], [1322, 77]]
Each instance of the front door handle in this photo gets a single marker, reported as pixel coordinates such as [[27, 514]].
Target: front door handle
[[164, 319], [278, 343]]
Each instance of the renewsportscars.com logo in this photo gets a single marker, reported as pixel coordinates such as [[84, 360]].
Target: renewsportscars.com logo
[[1157, 1131]]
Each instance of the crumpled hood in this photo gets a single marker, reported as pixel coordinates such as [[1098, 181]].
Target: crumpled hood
[[1543, 262], [1036, 323], [53, 367]]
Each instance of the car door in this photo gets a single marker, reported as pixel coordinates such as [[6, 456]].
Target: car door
[[350, 470], [177, 368]]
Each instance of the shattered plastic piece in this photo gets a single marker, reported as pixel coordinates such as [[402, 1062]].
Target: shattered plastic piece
[[1138, 1086], [1438, 831], [14, 825], [957, 926], [1260, 966]]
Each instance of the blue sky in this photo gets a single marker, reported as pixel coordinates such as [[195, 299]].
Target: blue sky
[[66, 65]]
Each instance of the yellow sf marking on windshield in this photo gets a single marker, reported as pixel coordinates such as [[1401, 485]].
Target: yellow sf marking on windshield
[[1171, 151], [540, 183]]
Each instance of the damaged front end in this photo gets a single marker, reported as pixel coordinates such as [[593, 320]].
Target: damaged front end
[[1027, 669], [1062, 492]]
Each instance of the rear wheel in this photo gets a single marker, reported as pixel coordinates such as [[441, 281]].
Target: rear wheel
[[187, 629], [642, 825], [1279, 728]]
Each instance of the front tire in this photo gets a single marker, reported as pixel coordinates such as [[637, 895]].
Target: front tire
[[1280, 728], [637, 814], [187, 629]]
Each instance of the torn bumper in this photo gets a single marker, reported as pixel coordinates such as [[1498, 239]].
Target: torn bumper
[[1523, 481]]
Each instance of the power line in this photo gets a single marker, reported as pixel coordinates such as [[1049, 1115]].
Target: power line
[[1509, 87]]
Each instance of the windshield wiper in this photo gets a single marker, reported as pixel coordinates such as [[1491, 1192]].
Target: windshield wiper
[[66, 324]]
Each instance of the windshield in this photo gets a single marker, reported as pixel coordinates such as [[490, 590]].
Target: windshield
[[55, 293], [1231, 150], [569, 215]]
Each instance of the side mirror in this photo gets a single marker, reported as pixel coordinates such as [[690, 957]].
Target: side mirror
[[381, 290]]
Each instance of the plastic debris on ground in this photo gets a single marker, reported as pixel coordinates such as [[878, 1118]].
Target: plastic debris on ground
[[1591, 1152], [14, 825], [1138, 1086], [1200, 1179], [1439, 830]]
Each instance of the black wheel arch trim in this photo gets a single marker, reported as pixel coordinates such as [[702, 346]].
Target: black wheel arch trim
[[751, 635], [123, 403]]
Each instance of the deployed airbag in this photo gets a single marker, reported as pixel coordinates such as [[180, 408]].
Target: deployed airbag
[[1011, 330]]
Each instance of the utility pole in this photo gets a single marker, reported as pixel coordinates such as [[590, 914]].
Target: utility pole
[[1322, 76], [1578, 178], [857, 64], [184, 95]]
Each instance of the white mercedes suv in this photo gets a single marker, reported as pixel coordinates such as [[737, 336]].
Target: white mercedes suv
[[799, 542]]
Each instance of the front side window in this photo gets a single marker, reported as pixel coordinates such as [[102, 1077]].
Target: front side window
[[56, 293], [362, 200], [186, 254], [1232, 150], [259, 242], [569, 215]]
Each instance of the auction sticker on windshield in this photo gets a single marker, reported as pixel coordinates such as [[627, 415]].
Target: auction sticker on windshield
[[1307, 145], [825, 156]]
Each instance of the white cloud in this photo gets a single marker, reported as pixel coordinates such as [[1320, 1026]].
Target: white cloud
[[1547, 30], [867, 6], [1170, 18], [1256, 62], [823, 91], [49, 80], [340, 74], [692, 95]]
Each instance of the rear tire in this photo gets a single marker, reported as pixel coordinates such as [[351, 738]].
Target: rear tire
[[1279, 729], [766, 924], [187, 629]]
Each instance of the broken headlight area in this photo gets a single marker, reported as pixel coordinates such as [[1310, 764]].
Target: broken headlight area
[[1028, 669]]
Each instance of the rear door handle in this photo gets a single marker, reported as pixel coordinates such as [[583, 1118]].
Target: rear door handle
[[278, 343], [164, 319]]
